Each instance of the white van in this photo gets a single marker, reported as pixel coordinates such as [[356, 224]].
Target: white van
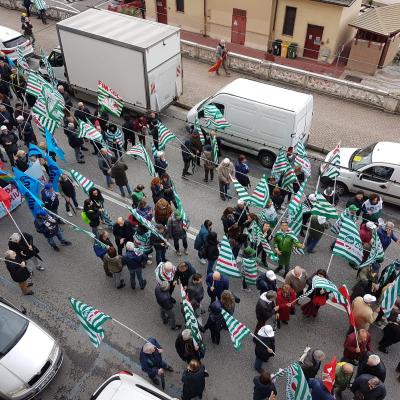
[[10, 40], [375, 169], [263, 118]]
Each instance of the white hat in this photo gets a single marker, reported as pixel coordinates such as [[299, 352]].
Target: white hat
[[160, 154], [271, 275], [368, 298], [266, 331], [226, 161], [20, 118], [240, 202], [130, 246], [312, 197], [321, 220], [370, 225], [3, 128]]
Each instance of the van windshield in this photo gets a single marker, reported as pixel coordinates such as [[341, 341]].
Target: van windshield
[[15, 42], [362, 157], [12, 328]]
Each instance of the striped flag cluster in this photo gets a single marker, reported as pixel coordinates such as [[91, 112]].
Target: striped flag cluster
[[49, 68], [190, 319], [241, 191], [376, 253], [139, 151], [164, 136], [109, 99], [237, 330], [260, 195], [335, 228], [197, 129], [319, 282], [348, 243], [387, 273], [331, 168], [249, 270], [85, 183], [34, 83], [295, 212], [214, 149], [226, 263], [280, 164], [214, 118], [91, 320], [21, 61], [295, 202], [389, 297], [182, 212], [296, 384], [256, 237], [301, 159], [323, 208], [289, 177], [88, 131], [41, 128], [145, 223]]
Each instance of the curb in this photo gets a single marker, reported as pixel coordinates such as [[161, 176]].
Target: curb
[[309, 146]]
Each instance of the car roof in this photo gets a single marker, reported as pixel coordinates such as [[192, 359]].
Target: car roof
[[267, 94], [386, 152], [8, 33]]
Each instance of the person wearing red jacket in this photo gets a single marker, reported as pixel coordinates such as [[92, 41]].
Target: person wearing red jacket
[[353, 350], [285, 296], [366, 230]]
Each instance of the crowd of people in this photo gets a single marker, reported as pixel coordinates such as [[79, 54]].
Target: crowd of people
[[127, 242]]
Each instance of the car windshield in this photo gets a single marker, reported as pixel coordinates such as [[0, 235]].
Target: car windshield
[[12, 327], [362, 157], [15, 42]]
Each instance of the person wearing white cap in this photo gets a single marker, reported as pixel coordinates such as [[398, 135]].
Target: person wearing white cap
[[308, 205], [318, 224], [363, 313], [240, 214], [265, 346], [220, 55], [366, 233], [9, 141], [225, 171]]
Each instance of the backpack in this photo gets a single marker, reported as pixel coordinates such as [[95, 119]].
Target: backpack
[[85, 218]]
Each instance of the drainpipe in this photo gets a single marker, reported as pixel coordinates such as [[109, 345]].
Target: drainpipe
[[205, 18]]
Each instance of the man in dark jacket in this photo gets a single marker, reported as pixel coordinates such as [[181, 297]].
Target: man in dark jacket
[[166, 303], [104, 161], [369, 386], [118, 172], [311, 363], [183, 273], [265, 307], [9, 141], [128, 131], [74, 141], [371, 364], [135, 259], [66, 97], [49, 228], [266, 281], [5, 73], [194, 381], [187, 157], [358, 200], [68, 190], [216, 284], [319, 391], [50, 198], [82, 113], [186, 348], [123, 233], [196, 146], [151, 360], [25, 131], [240, 213], [195, 292]]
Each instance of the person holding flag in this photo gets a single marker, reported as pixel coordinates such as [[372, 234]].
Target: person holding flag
[[18, 271], [318, 296], [343, 375], [265, 346]]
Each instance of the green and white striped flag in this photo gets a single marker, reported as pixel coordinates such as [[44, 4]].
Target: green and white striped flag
[[21, 61], [289, 177], [88, 131], [197, 129], [319, 282], [323, 208], [109, 99], [387, 273], [49, 68], [237, 330], [335, 228], [296, 384], [376, 253], [295, 202], [389, 297], [191, 319], [214, 149], [301, 159], [348, 243], [331, 168], [162, 275], [256, 237], [226, 263], [260, 195], [241, 191], [249, 270], [91, 320], [214, 118], [280, 164], [154, 151], [145, 223], [164, 136], [34, 83], [85, 183], [139, 151], [182, 212]]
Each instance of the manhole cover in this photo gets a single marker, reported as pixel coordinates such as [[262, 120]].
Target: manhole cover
[[352, 78]]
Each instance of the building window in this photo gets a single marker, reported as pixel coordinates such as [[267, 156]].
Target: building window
[[288, 23], [180, 5]]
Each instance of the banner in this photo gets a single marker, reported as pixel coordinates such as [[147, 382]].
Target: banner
[[16, 199]]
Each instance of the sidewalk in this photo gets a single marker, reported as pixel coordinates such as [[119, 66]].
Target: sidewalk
[[300, 63]]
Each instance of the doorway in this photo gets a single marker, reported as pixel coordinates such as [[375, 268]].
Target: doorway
[[238, 30], [313, 41], [162, 11]]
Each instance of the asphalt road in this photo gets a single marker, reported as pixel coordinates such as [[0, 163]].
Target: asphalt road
[[75, 271]]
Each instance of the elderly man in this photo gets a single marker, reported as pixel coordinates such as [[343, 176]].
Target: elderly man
[[66, 97], [9, 141], [135, 259], [123, 233], [166, 303], [216, 284], [225, 171], [186, 347], [297, 279], [372, 364], [386, 235], [362, 311], [355, 347], [311, 362], [368, 387], [344, 373]]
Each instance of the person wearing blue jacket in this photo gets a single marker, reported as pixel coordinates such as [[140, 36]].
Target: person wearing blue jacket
[[242, 170], [134, 259], [151, 360], [319, 391], [216, 284], [201, 240]]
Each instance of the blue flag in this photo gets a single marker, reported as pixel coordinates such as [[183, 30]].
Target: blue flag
[[11, 63], [35, 151], [52, 145], [54, 172]]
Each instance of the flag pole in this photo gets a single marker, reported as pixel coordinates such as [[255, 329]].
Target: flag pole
[[15, 223], [330, 262], [255, 337]]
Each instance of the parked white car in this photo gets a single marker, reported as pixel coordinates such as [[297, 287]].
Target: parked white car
[[29, 356], [10, 40], [128, 386], [374, 169]]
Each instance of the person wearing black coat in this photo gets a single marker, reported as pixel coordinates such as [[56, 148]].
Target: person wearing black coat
[[68, 190], [160, 164], [265, 308], [183, 273], [187, 157], [123, 233], [368, 387], [16, 266], [9, 141], [311, 362], [371, 364], [265, 346], [186, 348], [211, 251], [266, 281], [166, 303], [216, 284], [358, 200], [93, 213], [75, 142], [129, 133], [24, 247], [263, 386], [194, 381], [27, 5], [82, 113], [153, 123]]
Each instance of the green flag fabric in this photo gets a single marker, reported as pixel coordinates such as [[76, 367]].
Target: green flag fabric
[[289, 177], [91, 320], [280, 164], [139, 151], [182, 212], [249, 270], [214, 118], [85, 183], [296, 384], [237, 330], [241, 191], [214, 149], [331, 168], [323, 208], [49, 68], [109, 99], [389, 297], [260, 195], [164, 136], [226, 263], [376, 253], [21, 61]]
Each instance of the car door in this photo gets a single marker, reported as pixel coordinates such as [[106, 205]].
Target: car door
[[375, 178]]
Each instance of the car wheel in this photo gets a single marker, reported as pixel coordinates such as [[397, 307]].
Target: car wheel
[[267, 159], [341, 189]]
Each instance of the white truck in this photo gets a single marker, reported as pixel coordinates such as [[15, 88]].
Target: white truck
[[139, 59]]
